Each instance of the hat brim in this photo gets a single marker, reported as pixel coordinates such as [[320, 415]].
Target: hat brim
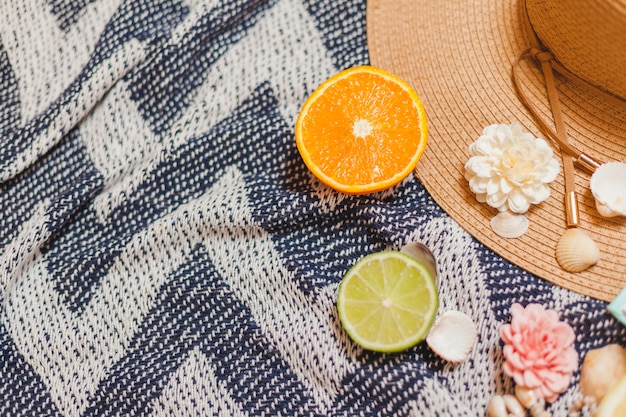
[[458, 56]]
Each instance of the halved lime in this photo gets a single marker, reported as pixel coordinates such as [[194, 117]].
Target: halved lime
[[387, 301]]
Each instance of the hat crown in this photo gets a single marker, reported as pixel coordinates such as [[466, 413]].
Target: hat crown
[[588, 37]]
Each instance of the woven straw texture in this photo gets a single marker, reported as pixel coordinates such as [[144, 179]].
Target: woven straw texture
[[165, 252], [458, 57], [587, 36]]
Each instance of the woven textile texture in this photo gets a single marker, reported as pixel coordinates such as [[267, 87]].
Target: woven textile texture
[[165, 252]]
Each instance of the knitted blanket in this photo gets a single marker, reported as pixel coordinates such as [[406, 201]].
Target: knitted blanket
[[165, 251]]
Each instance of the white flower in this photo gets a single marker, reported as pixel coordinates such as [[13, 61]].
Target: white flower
[[608, 186], [510, 169]]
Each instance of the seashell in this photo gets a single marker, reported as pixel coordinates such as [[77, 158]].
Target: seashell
[[576, 251], [504, 406], [424, 255], [602, 368], [608, 186], [497, 407], [452, 336], [526, 396], [529, 399], [513, 406], [509, 225]]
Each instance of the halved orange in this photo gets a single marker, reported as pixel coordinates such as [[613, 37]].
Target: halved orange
[[362, 130]]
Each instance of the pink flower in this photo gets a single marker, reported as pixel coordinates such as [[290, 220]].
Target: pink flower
[[538, 350]]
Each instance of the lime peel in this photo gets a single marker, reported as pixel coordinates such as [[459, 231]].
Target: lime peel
[[395, 320]]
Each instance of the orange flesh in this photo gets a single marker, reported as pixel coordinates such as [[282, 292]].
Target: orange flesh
[[362, 130]]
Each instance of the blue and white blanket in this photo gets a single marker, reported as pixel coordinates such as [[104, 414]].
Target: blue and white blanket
[[165, 251]]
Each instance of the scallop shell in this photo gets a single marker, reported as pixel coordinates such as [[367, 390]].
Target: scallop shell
[[602, 368], [576, 250], [608, 186], [452, 337], [509, 225]]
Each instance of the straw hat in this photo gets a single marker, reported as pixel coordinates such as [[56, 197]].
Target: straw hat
[[458, 55]]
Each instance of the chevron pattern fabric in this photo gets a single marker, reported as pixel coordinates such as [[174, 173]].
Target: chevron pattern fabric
[[164, 250]]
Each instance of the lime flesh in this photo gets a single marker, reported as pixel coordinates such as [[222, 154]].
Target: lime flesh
[[387, 302]]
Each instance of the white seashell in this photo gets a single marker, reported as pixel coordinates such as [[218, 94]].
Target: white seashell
[[608, 186], [530, 400], [452, 337], [509, 225], [505, 406], [526, 396], [513, 406], [497, 407], [576, 250], [601, 369]]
